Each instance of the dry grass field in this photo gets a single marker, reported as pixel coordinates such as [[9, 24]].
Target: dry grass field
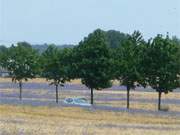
[[38, 80], [41, 80], [26, 119]]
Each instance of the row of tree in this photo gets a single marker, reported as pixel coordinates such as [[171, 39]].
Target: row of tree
[[134, 62]]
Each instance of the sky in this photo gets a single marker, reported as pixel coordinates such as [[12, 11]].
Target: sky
[[69, 21]]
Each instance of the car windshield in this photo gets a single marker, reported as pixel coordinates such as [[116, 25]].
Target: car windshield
[[69, 100], [80, 100]]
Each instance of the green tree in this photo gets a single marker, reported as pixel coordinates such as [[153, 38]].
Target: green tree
[[115, 38], [3, 48], [93, 62], [176, 40], [22, 62], [56, 66], [24, 44], [3, 54], [126, 61], [161, 66]]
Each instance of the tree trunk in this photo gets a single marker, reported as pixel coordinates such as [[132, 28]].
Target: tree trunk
[[159, 101], [20, 90], [57, 94], [91, 95], [128, 91]]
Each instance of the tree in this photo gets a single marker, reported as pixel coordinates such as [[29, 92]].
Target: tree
[[161, 65], [176, 40], [24, 44], [22, 62], [55, 66], [3, 48], [115, 38], [93, 62], [126, 61], [3, 54]]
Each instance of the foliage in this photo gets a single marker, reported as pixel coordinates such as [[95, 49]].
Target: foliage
[[94, 61], [115, 38], [56, 66], [94, 65], [126, 61], [42, 47], [3, 54], [161, 66], [22, 62]]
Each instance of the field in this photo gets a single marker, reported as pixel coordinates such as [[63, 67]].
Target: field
[[38, 114]]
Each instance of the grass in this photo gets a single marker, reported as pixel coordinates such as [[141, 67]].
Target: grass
[[102, 94], [43, 80], [38, 80], [30, 120]]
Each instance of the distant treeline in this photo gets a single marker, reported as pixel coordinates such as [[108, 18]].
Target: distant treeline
[[114, 38], [42, 48]]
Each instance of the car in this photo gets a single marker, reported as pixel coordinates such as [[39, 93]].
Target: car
[[77, 101]]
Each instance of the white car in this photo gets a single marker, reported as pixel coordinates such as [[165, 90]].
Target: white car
[[77, 101]]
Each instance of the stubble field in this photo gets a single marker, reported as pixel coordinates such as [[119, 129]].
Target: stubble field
[[38, 114]]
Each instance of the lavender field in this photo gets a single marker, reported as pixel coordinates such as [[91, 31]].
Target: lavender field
[[112, 99], [108, 112]]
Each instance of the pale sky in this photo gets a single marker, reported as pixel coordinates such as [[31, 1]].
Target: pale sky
[[69, 21]]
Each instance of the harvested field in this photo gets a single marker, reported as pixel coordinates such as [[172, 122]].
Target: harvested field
[[38, 114]]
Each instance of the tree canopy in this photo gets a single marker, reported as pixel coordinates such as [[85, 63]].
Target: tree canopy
[[161, 66], [115, 38], [55, 66], [22, 63], [127, 61], [94, 66]]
